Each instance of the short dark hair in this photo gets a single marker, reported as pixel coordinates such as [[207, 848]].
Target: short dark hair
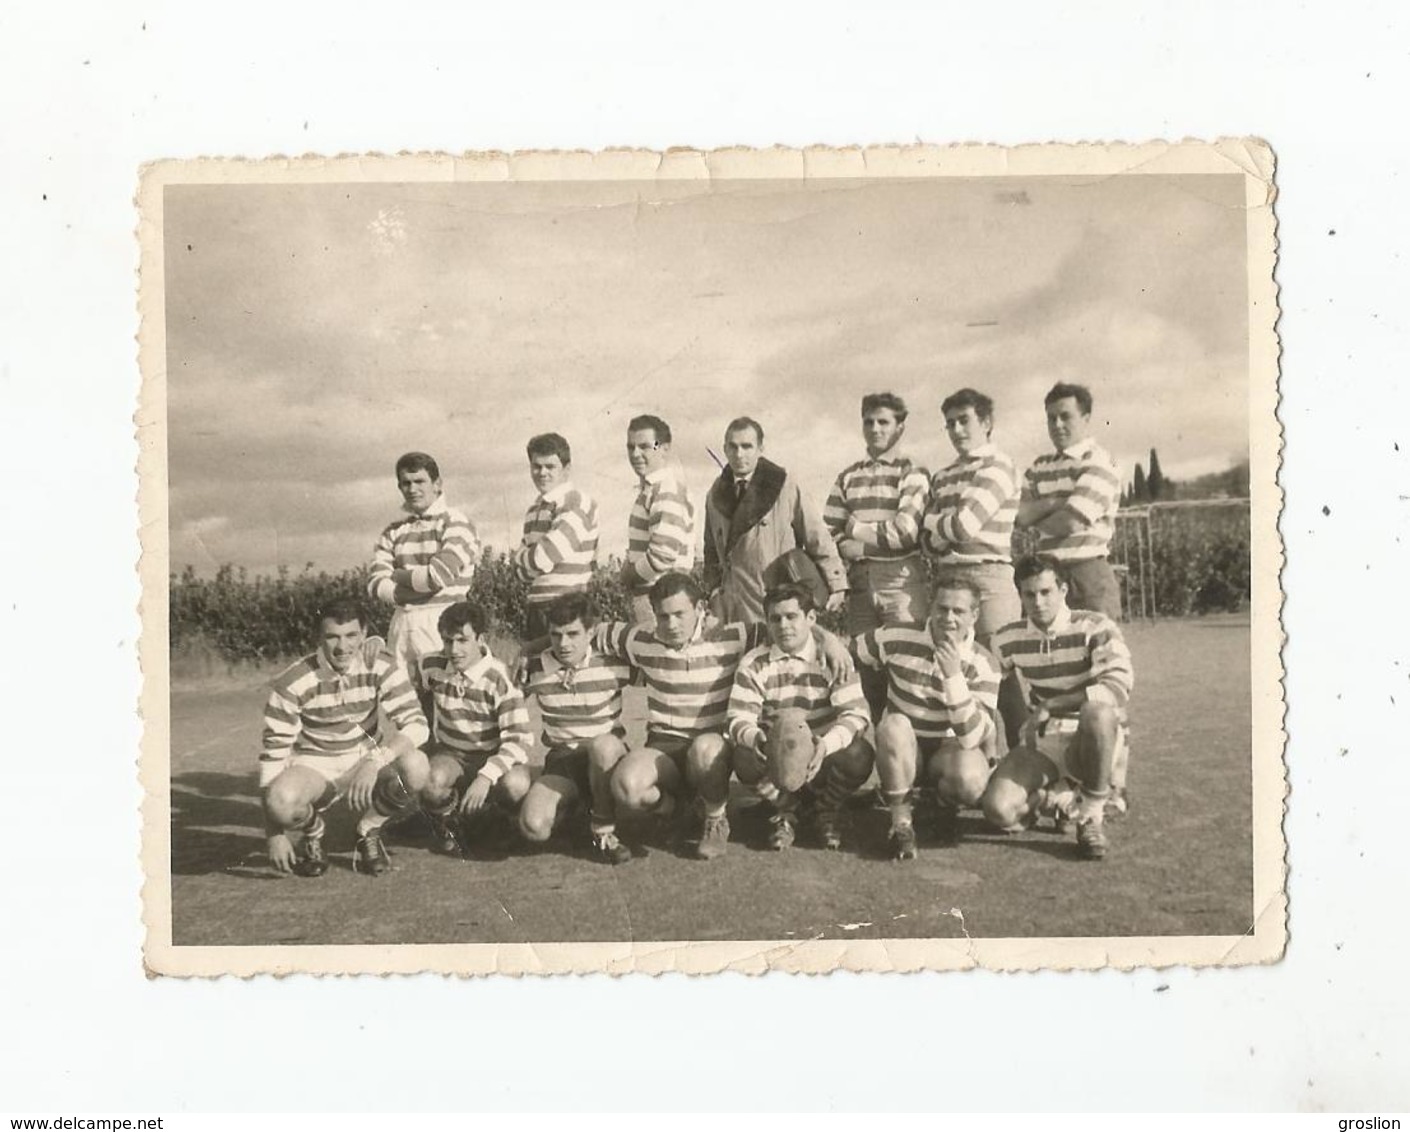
[[957, 582], [741, 423], [418, 462], [659, 428], [550, 444], [570, 607], [456, 616], [874, 401], [1031, 565], [1080, 393], [674, 582], [790, 591], [967, 398], [342, 610]]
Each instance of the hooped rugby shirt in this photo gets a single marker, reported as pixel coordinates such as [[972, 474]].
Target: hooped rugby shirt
[[938, 707], [560, 544], [315, 710], [661, 529], [770, 680], [479, 711], [1085, 479], [973, 503], [439, 547], [885, 500], [1081, 650]]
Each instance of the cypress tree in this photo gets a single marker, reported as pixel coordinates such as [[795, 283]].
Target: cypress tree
[[1156, 483]]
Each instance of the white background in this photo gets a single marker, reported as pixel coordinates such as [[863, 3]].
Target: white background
[[87, 93]]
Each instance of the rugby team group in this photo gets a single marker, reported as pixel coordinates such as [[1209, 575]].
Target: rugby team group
[[969, 680]]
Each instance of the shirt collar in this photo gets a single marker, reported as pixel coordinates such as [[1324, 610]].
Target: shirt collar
[[556, 493], [895, 456], [328, 672], [552, 664], [1081, 450], [436, 508], [474, 672], [808, 653], [1060, 622], [657, 476]]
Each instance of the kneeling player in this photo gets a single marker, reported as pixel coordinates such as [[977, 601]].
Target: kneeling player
[[1078, 671], [790, 674], [580, 698], [320, 728], [478, 765], [941, 693]]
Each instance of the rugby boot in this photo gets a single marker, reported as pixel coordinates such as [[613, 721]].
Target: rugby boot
[[1091, 840], [827, 824], [714, 837], [781, 831], [445, 833], [606, 847], [903, 842], [313, 861], [371, 856]]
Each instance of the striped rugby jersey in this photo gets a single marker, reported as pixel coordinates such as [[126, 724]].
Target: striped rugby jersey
[[884, 499], [973, 502], [1085, 478], [479, 710], [961, 706], [770, 680], [315, 710], [560, 544], [1080, 649], [439, 547], [687, 689], [577, 704], [661, 530]]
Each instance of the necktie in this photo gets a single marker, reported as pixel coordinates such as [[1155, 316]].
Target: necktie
[[739, 486]]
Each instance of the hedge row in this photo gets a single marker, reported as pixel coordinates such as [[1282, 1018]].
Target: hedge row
[[1197, 561]]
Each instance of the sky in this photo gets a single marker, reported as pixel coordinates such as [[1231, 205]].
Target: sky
[[316, 332]]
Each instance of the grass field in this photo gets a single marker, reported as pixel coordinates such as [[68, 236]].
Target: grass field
[[1180, 864]]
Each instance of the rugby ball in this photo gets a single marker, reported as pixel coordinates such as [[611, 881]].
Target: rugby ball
[[788, 749]]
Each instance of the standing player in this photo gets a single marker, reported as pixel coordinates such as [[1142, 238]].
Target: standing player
[[942, 690], [479, 761], [1070, 498], [968, 525], [753, 514], [321, 742], [689, 670], [1078, 671], [661, 531], [560, 531], [790, 673], [579, 691], [874, 513], [421, 564]]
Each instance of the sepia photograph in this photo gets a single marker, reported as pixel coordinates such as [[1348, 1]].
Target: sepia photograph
[[750, 560]]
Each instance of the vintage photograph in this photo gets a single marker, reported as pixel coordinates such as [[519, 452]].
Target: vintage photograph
[[692, 561]]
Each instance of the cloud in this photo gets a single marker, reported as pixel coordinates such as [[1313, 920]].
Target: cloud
[[316, 332]]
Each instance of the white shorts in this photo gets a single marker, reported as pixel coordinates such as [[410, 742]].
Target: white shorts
[[335, 769], [1059, 739], [412, 635]]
